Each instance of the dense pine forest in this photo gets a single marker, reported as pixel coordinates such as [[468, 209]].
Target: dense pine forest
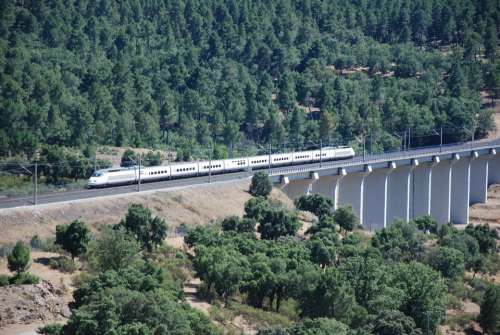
[[185, 74]]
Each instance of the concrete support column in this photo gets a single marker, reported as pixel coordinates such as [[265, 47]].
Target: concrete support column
[[460, 191], [478, 180], [421, 190], [494, 168], [295, 188], [441, 192], [329, 186], [375, 200], [351, 192], [398, 206]]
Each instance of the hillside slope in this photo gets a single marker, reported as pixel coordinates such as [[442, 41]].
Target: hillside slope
[[191, 205]]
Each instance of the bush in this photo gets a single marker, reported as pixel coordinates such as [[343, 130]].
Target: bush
[[4, 280], [261, 185], [317, 204], [24, 278], [152, 159], [51, 329], [489, 317], [47, 245], [255, 208], [19, 258], [449, 261], [73, 237], [36, 242], [63, 264], [129, 158], [5, 250]]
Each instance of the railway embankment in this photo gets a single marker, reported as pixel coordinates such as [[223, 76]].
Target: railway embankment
[[189, 205]]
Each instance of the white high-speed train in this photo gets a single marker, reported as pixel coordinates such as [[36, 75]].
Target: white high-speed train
[[118, 176]]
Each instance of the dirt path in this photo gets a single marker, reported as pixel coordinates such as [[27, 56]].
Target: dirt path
[[190, 292]]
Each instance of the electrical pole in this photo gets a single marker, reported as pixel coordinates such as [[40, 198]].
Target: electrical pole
[[441, 141], [364, 147], [35, 180], [409, 138], [269, 167], [210, 164], [139, 181], [320, 152]]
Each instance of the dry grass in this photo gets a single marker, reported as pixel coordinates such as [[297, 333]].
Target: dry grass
[[190, 205], [489, 212], [486, 100]]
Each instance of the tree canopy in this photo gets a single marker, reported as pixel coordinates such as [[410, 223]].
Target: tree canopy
[[148, 230], [191, 73], [261, 185], [73, 238], [19, 258]]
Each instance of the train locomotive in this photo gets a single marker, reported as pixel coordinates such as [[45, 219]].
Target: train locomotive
[[129, 175]]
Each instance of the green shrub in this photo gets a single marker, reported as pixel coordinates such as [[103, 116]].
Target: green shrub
[[4, 280], [452, 302], [36, 242], [459, 322], [51, 329], [19, 258], [261, 185], [24, 278], [5, 250], [47, 245], [63, 264]]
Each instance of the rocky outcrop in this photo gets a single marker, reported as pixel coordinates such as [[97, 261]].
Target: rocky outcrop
[[26, 304]]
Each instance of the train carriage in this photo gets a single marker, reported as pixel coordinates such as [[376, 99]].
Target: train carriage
[[281, 159], [256, 162], [236, 164], [302, 157], [184, 169], [155, 173], [215, 166]]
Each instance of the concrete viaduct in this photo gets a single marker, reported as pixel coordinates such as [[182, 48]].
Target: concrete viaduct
[[438, 181]]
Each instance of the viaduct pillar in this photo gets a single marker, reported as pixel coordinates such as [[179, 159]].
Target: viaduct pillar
[[400, 192], [375, 199], [478, 179], [460, 190], [494, 168], [441, 192], [351, 192], [329, 186], [295, 188], [421, 194]]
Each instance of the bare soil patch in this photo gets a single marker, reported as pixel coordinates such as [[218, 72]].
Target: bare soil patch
[[29, 304], [24, 308]]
